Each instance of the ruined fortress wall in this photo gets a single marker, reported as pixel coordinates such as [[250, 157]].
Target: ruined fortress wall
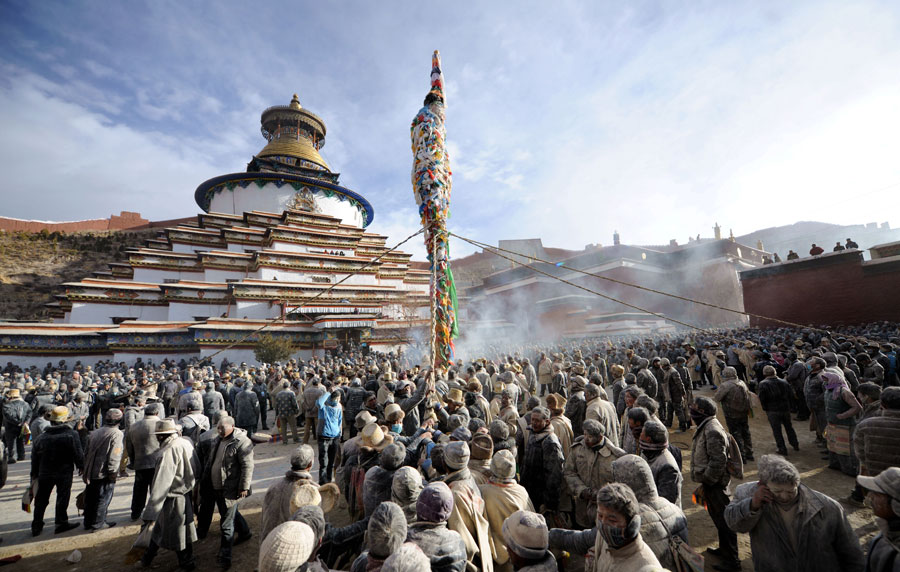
[[125, 220]]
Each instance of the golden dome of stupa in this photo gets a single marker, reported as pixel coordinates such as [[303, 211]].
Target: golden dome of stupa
[[293, 133]]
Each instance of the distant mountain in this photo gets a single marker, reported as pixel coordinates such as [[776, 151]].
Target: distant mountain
[[800, 236]]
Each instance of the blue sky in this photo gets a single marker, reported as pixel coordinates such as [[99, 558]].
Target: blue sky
[[567, 120]]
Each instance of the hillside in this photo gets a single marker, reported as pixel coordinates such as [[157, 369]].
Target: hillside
[[33, 265], [800, 236]]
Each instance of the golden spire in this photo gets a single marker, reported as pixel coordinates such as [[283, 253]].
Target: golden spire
[[295, 102]]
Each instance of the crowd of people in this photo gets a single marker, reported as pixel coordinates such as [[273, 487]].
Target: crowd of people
[[815, 250], [535, 458]]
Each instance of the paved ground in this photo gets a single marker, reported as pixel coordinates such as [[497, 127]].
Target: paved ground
[[272, 461]]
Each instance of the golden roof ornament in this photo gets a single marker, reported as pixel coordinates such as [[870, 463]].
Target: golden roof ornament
[[295, 102]]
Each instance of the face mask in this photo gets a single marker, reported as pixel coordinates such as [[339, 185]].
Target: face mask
[[697, 417], [617, 537], [396, 428]]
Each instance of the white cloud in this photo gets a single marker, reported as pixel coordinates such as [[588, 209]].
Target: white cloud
[[564, 123], [63, 162]]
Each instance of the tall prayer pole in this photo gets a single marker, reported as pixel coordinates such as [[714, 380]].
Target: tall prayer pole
[[431, 180]]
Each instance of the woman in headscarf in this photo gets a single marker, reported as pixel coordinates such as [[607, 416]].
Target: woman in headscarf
[[841, 407]]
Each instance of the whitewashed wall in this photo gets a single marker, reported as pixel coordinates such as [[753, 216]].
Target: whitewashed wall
[[254, 309], [158, 275], [181, 311], [130, 357], [95, 313], [236, 355], [271, 199], [240, 247], [216, 275], [26, 361], [190, 248]]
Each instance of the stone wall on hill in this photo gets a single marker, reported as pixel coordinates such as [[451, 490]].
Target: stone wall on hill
[[123, 220]]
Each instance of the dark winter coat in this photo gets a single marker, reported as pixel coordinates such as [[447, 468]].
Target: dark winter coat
[[212, 402], [16, 413], [814, 391], [376, 488], [775, 395], [246, 409], [56, 453], [575, 411], [647, 381], [237, 464], [675, 383], [709, 453], [882, 556], [542, 469], [356, 396], [410, 407], [444, 547]]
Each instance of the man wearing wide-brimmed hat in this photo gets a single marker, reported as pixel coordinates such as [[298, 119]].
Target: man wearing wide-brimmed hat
[[374, 438], [54, 457], [169, 506]]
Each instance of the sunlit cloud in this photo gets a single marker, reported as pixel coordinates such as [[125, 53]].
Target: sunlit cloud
[[656, 120]]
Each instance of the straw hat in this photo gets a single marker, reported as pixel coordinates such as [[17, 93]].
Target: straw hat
[[455, 395], [391, 409], [304, 495], [556, 402], [363, 418], [14, 394], [373, 437], [166, 426], [59, 414], [329, 494]]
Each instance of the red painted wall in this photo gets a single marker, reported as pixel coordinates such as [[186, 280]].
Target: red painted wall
[[830, 290]]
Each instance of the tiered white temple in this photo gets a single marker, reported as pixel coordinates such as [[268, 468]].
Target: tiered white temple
[[271, 248]]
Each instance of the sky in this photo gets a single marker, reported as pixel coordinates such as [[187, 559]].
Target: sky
[[566, 120]]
